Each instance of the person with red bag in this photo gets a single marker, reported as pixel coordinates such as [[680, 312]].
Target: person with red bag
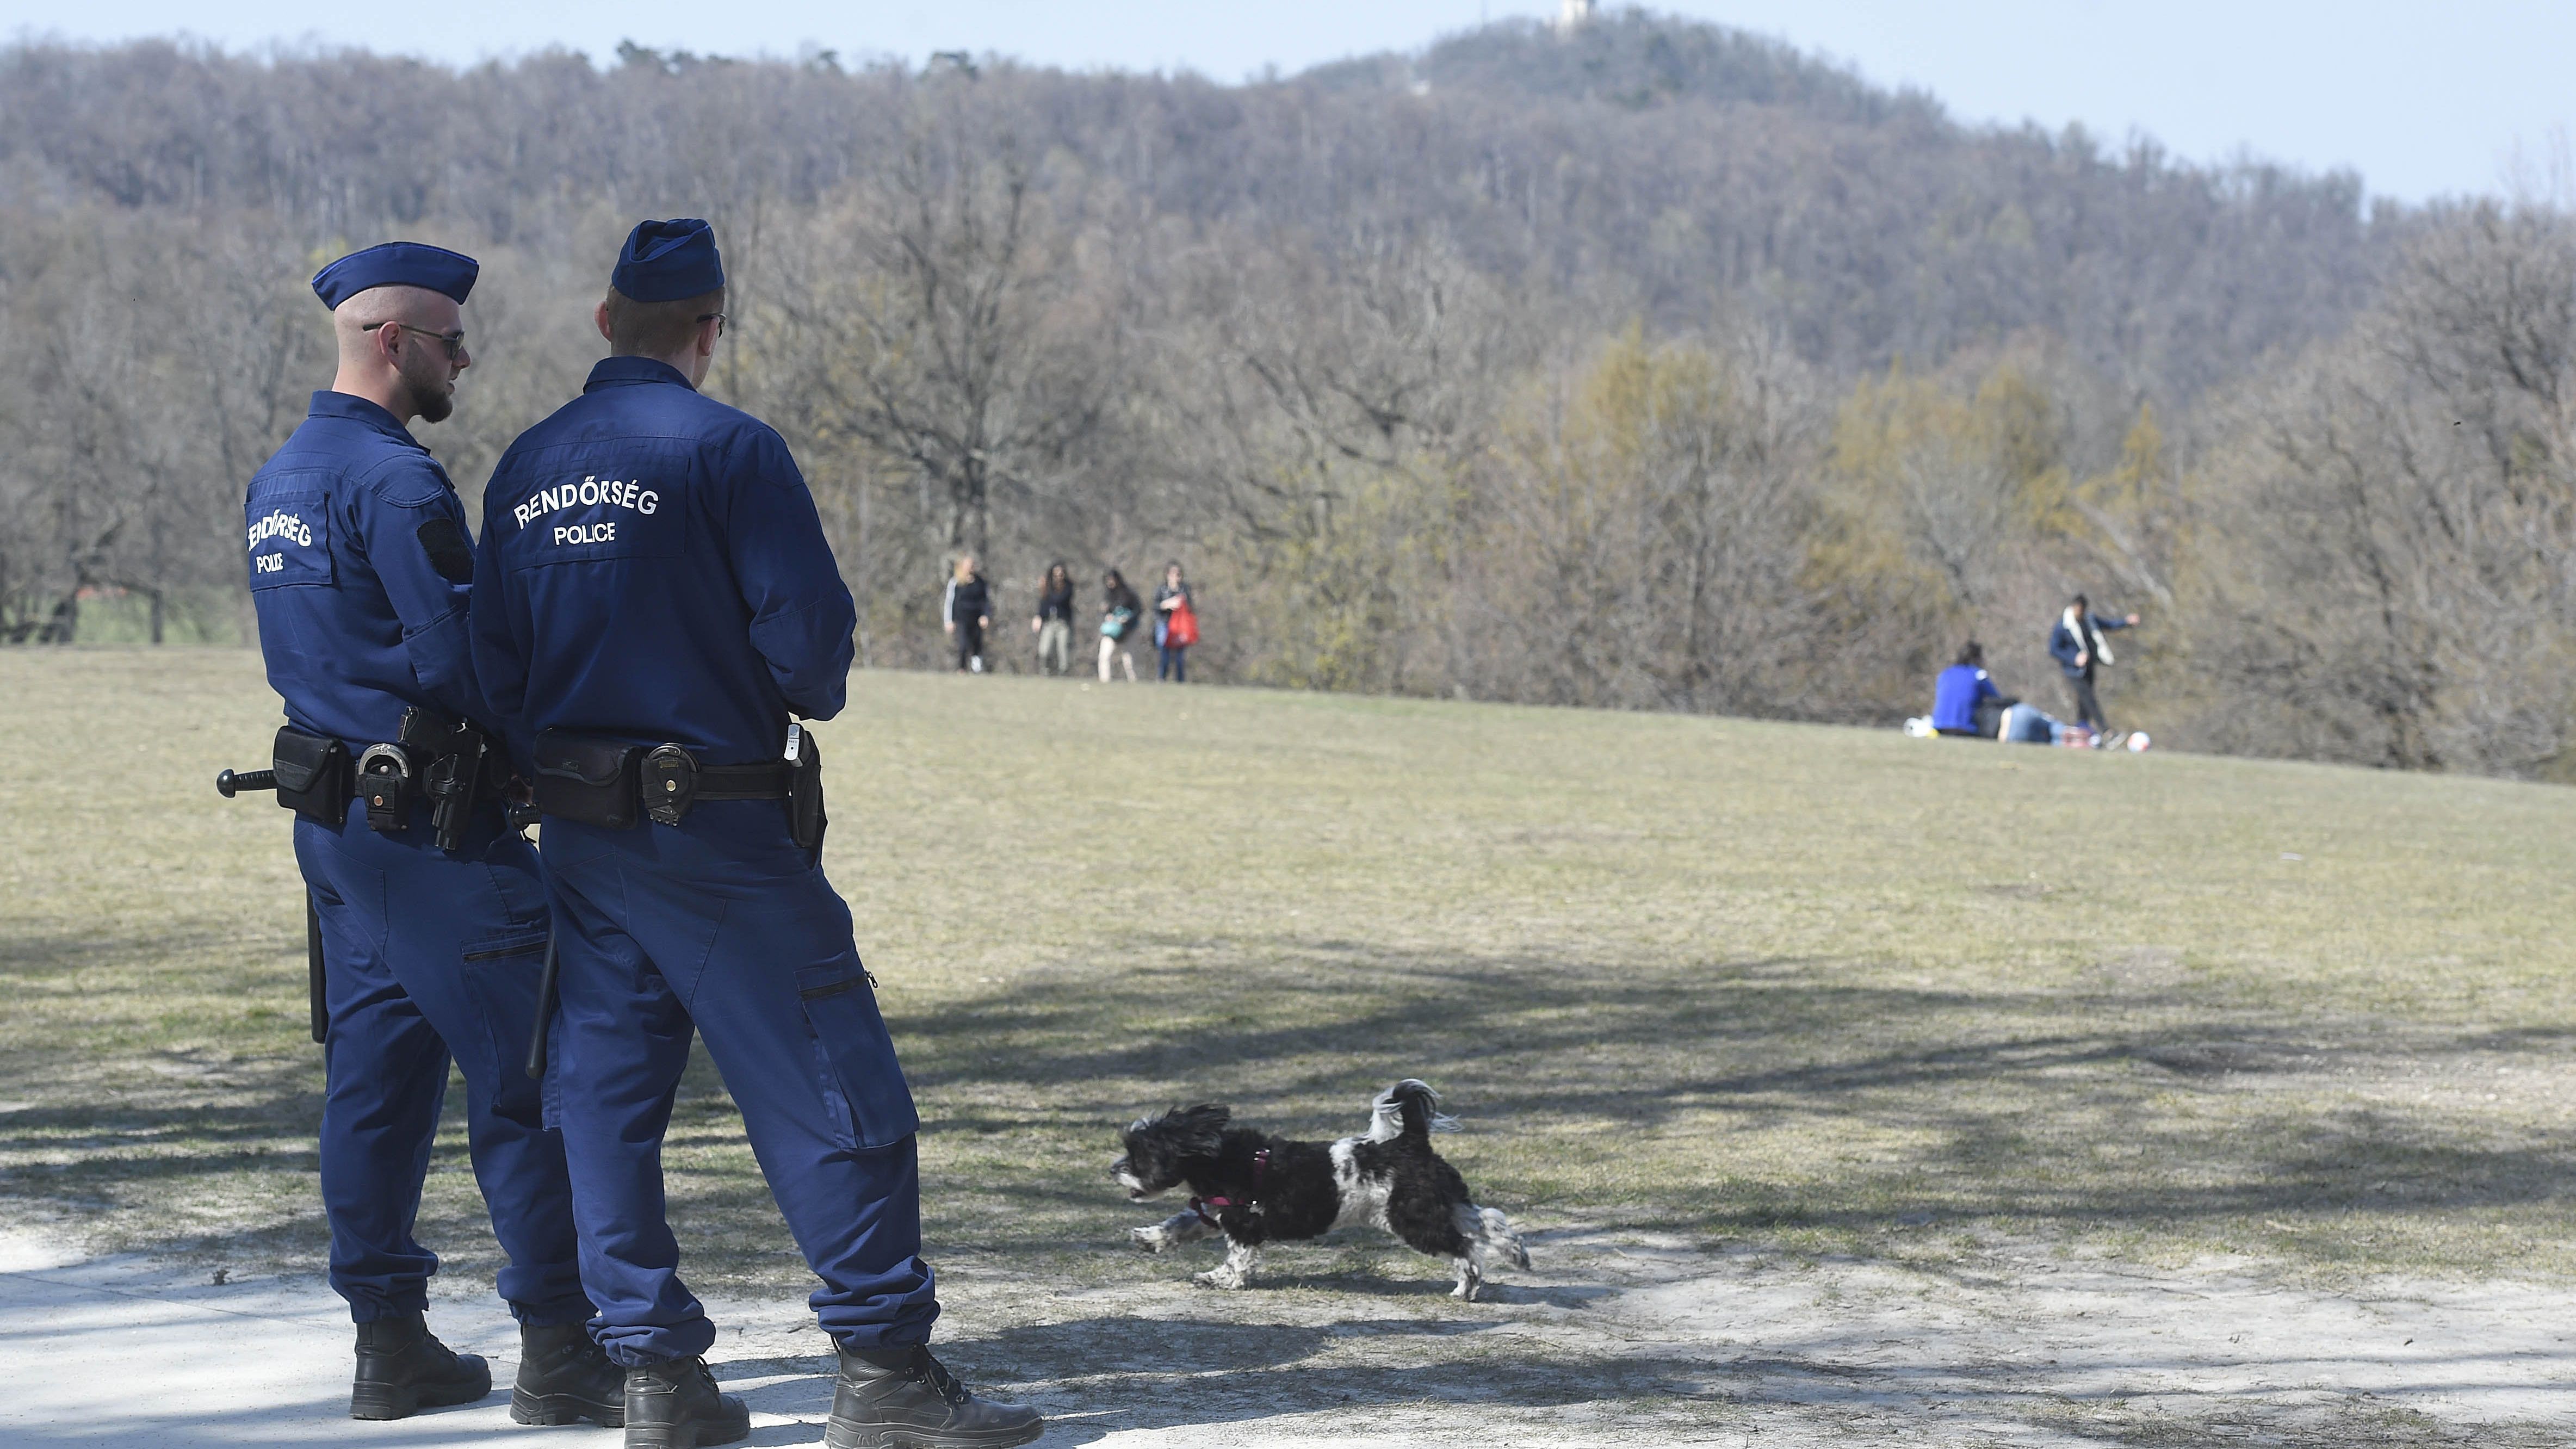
[[1176, 626]]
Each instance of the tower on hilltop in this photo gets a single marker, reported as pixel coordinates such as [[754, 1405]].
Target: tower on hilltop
[[1573, 15]]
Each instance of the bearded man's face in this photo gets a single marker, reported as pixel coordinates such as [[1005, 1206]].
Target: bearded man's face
[[429, 376]]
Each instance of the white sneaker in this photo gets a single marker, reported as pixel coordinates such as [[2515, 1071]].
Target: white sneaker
[[975, 665]]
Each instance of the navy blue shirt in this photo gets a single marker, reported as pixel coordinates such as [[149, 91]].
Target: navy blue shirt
[[359, 568], [652, 569]]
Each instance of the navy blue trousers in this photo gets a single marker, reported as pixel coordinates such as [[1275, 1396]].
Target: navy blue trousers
[[429, 956], [722, 928]]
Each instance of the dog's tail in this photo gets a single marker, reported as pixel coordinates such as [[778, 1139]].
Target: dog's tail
[[1498, 1232], [1408, 1109], [1490, 1236]]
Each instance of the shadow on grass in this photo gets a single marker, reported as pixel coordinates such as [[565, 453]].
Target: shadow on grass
[[2000, 1097], [1984, 1103], [1107, 1374], [1125, 1373]]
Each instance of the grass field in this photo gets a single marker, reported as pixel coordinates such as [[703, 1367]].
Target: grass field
[[1832, 994]]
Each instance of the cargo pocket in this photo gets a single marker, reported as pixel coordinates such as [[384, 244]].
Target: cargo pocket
[[501, 974], [854, 1057]]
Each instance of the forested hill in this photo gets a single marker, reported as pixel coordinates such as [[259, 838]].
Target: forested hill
[[1679, 170], [1698, 163], [1651, 365]]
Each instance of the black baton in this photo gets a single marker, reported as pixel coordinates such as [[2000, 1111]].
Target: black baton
[[229, 782], [313, 968], [545, 1014]]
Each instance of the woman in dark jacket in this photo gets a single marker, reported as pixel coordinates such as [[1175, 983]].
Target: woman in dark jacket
[[966, 610], [1121, 615], [1053, 622], [2078, 643]]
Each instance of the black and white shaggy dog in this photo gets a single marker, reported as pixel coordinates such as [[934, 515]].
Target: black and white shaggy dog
[[1255, 1188]]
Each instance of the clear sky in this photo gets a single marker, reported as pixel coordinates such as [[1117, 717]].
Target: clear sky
[[2422, 98]]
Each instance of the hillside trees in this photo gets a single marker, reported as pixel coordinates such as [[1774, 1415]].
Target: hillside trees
[[1653, 367], [152, 372], [1640, 533], [1327, 410], [2388, 563], [968, 347]]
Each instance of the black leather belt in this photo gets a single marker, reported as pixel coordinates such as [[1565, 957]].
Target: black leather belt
[[672, 783], [742, 782], [600, 780]]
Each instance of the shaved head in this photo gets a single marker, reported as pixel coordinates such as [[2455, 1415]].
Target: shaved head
[[411, 369], [412, 306]]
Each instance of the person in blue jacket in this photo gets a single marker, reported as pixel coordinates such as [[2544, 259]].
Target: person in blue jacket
[[1964, 700], [2078, 645], [359, 563], [653, 600]]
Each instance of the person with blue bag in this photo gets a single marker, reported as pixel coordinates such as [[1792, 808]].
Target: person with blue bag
[[1121, 611]]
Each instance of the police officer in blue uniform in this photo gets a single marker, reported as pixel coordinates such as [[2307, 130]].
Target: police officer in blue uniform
[[653, 600], [359, 569]]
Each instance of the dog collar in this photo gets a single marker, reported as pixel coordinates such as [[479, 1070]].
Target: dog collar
[[1260, 1166]]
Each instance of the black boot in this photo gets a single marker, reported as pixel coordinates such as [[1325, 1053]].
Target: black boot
[[902, 1398], [674, 1405], [564, 1378], [403, 1369]]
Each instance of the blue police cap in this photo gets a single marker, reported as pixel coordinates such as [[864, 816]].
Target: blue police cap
[[396, 264], [666, 261]]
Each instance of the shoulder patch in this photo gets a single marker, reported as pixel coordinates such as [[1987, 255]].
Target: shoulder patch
[[443, 539]]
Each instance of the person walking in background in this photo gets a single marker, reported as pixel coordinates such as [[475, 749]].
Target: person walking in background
[[1053, 623], [1964, 700], [1176, 626], [2079, 648], [1121, 614], [966, 611]]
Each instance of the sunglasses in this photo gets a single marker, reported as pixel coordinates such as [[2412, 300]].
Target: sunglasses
[[454, 341]]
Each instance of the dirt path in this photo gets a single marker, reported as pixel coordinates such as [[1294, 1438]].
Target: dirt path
[[1616, 1340]]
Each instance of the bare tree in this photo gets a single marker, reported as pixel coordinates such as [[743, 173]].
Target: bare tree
[[2389, 576], [969, 354]]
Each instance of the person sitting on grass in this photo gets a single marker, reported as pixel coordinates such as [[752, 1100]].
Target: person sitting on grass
[[2028, 724], [1965, 701]]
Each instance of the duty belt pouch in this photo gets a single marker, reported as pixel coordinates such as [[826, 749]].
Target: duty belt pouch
[[670, 784], [805, 818], [585, 778], [312, 775], [385, 782]]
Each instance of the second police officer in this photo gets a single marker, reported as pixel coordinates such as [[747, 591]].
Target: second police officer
[[430, 921], [653, 599]]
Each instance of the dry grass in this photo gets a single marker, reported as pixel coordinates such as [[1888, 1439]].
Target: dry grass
[[1826, 990]]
